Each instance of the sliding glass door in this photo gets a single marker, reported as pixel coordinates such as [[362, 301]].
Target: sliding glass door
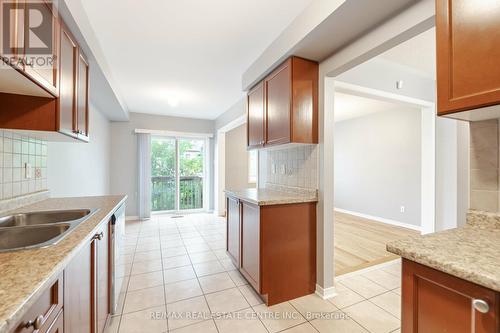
[[177, 173]]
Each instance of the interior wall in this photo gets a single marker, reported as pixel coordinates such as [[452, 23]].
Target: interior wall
[[236, 175], [81, 169], [378, 165], [124, 151]]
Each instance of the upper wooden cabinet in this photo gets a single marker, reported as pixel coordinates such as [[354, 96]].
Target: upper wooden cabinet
[[82, 105], [468, 53], [285, 105]]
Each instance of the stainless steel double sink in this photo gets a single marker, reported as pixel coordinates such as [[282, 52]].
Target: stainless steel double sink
[[39, 229]]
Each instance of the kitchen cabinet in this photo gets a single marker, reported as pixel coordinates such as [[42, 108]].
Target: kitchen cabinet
[[87, 286], [82, 97], [256, 119], [468, 49], [233, 230], [290, 105], [272, 240], [433, 301], [58, 325]]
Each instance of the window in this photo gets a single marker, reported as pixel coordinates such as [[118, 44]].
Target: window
[[253, 162]]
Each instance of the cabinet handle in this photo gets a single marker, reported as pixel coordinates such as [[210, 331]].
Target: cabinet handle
[[98, 236], [480, 305], [36, 324]]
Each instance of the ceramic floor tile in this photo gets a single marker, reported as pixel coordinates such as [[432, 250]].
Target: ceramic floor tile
[[151, 320], [338, 325], [345, 297], [179, 274], [146, 266], [113, 324], [250, 295], [279, 317], [201, 257], [363, 286], [227, 264], [216, 282], [302, 328], [244, 321], [208, 268], [168, 244], [174, 251], [182, 290], [313, 307], [225, 301], [187, 312], [386, 280], [221, 254], [195, 248], [146, 280], [372, 317], [390, 302], [174, 262], [144, 299], [237, 278], [207, 326], [397, 291], [147, 256]]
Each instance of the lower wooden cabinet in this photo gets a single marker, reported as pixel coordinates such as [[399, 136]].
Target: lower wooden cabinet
[[58, 325], [271, 240], [436, 302]]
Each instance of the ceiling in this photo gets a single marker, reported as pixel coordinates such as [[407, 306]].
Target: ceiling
[[349, 106], [185, 58], [419, 53]]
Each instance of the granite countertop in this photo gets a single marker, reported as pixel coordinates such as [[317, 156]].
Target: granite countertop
[[470, 252], [267, 197], [26, 274]]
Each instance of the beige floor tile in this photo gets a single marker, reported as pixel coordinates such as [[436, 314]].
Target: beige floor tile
[[372, 317], [187, 312], [394, 269], [302, 328], [386, 280], [207, 326], [148, 247], [174, 262], [338, 325], [201, 257], [345, 297], [182, 290], [195, 248], [363, 286], [390, 302], [142, 267], [208, 268], [237, 278], [147, 256], [148, 240], [193, 240], [144, 299], [127, 259], [179, 274], [170, 243], [250, 295], [123, 270], [279, 317], [216, 282], [227, 264], [151, 321], [244, 321], [113, 324], [397, 291], [225, 301], [173, 252], [146, 280], [221, 254], [396, 331], [312, 306]]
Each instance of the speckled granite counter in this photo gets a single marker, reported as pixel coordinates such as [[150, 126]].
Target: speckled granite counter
[[471, 252], [267, 197], [24, 275]]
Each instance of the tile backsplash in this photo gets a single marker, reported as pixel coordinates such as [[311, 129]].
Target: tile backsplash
[[295, 166], [15, 152]]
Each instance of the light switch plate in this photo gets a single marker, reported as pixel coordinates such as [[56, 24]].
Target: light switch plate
[[28, 171]]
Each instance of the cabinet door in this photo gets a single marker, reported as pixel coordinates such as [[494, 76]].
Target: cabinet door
[[468, 49], [79, 291], [233, 230], [102, 278], [83, 96], [256, 119], [15, 32], [58, 325], [278, 97], [250, 244], [67, 83], [433, 301]]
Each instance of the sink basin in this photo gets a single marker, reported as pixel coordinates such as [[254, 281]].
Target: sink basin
[[19, 238], [46, 217]]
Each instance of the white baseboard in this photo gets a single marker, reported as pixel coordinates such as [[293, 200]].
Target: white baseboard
[[131, 218], [325, 293], [380, 219]]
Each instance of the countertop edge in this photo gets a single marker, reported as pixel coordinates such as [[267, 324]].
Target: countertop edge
[[271, 202], [10, 323]]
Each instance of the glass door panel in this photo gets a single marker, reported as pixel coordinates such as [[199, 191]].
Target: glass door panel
[[163, 173], [191, 173]]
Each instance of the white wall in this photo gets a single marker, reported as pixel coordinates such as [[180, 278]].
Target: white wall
[[124, 150], [378, 165], [81, 169], [236, 176]]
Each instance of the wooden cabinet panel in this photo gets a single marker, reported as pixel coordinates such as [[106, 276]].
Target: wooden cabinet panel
[[82, 96], [67, 91], [433, 301], [78, 292], [278, 104], [15, 33], [58, 325], [103, 278], [256, 117], [233, 230], [250, 244], [468, 49]]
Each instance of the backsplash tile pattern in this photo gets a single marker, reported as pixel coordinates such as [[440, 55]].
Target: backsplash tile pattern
[[484, 165], [15, 152], [295, 166]]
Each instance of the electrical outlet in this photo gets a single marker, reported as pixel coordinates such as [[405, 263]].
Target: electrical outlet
[[283, 169], [38, 173], [28, 171], [402, 209]]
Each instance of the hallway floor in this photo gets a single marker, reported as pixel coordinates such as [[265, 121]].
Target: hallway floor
[[179, 279]]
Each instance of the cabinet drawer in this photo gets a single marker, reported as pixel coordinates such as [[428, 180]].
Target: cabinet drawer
[[44, 311]]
